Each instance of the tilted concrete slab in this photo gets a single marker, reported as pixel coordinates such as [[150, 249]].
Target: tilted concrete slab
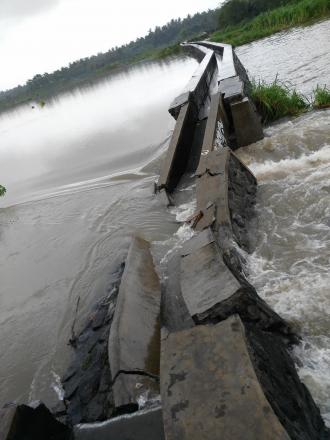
[[209, 387], [178, 152], [211, 126], [197, 241], [198, 87], [213, 291], [135, 334], [247, 123], [175, 315], [141, 425], [205, 279], [213, 162]]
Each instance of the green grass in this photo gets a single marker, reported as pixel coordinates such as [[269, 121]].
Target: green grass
[[303, 12], [167, 52], [276, 100], [321, 97], [2, 190]]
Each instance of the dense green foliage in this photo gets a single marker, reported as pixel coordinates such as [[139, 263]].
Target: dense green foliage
[[276, 100], [321, 97], [160, 42], [236, 11], [2, 190], [295, 13]]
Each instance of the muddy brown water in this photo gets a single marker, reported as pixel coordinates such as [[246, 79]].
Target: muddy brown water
[[80, 174]]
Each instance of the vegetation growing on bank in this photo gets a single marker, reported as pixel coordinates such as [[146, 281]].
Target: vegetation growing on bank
[[294, 13], [2, 190], [277, 100], [321, 97]]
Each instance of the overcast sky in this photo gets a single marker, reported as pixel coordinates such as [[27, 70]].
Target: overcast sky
[[38, 36]]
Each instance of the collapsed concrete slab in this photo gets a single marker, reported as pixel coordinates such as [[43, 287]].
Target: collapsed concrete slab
[[178, 152], [31, 422], [142, 425], [233, 381], [212, 293], [209, 388], [198, 87], [134, 342], [174, 313], [229, 186], [241, 123]]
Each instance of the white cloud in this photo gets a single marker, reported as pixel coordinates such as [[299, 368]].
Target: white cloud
[[49, 39]]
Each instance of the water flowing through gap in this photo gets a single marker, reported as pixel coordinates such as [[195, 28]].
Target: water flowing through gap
[[89, 162], [290, 267]]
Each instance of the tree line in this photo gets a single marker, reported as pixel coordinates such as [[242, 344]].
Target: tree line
[[88, 69]]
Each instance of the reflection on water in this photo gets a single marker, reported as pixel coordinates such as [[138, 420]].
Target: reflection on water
[[113, 126], [290, 267], [75, 155]]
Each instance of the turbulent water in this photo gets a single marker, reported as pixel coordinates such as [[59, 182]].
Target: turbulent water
[[80, 175]]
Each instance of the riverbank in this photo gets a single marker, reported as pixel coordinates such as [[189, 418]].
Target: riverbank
[[89, 71], [302, 13]]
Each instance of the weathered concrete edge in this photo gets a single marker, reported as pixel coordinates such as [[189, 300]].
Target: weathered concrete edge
[[198, 86], [134, 342], [141, 425]]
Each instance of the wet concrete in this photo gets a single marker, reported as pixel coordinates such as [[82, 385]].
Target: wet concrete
[[212, 390], [142, 425], [134, 342]]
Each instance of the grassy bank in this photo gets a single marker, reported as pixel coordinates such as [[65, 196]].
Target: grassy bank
[[303, 12], [276, 100]]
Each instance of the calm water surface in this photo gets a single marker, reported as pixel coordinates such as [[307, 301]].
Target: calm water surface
[[80, 175]]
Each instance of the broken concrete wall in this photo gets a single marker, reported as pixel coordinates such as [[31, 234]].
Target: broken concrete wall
[[214, 391], [226, 195], [134, 342], [188, 133], [242, 125]]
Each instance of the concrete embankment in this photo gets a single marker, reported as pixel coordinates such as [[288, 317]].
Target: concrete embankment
[[200, 355]]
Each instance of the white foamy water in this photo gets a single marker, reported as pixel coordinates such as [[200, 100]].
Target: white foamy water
[[291, 265]]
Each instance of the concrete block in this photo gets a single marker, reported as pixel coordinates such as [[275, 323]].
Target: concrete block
[[205, 279], [247, 124], [232, 88], [178, 153], [135, 334], [175, 315], [213, 162], [213, 290], [209, 387], [141, 425], [212, 121]]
